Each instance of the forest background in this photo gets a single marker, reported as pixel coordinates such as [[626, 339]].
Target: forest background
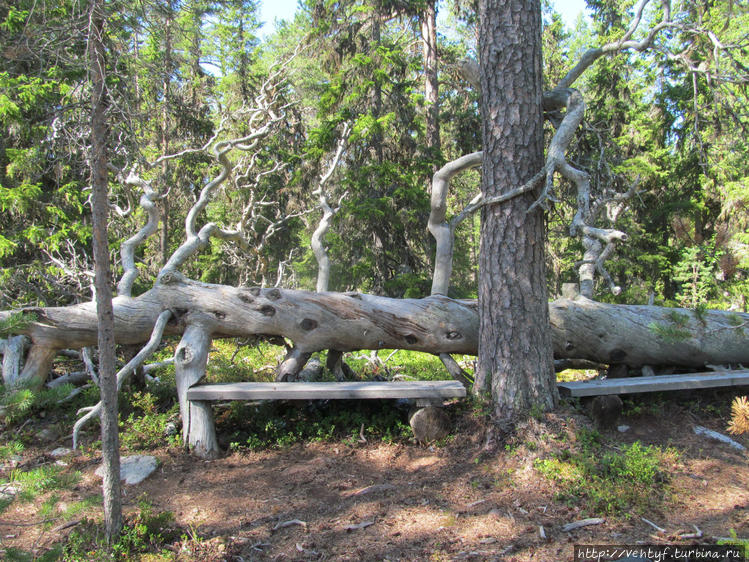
[[179, 68]]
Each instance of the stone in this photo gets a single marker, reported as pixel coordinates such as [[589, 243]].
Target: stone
[[60, 452], [605, 410], [9, 491], [134, 469], [48, 434], [623, 428], [429, 424]]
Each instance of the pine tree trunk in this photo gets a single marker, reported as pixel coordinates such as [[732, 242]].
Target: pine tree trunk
[[515, 362], [105, 313]]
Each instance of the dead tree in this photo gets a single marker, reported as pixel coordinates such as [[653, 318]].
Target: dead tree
[[312, 321]]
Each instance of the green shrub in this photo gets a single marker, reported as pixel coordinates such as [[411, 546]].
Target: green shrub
[[608, 482]]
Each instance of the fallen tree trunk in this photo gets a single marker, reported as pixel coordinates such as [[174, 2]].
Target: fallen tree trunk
[[581, 328]]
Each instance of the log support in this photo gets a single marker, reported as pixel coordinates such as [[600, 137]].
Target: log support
[[38, 365], [12, 359], [292, 365], [190, 359]]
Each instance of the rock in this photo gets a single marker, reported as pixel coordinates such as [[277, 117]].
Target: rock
[[429, 424], [134, 469], [60, 452], [623, 428], [9, 491], [48, 434], [605, 410], [312, 371]]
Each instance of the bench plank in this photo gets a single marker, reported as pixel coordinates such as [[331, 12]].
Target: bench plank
[[326, 390], [657, 383]]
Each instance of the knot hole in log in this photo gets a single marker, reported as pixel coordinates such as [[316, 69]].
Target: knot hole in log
[[184, 355], [411, 339], [267, 310], [246, 298], [308, 324], [274, 294], [454, 335]]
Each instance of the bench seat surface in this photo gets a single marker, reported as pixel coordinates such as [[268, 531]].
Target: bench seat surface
[[326, 390], [657, 383]]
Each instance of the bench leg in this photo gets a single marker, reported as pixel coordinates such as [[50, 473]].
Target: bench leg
[[202, 434], [429, 422], [190, 358]]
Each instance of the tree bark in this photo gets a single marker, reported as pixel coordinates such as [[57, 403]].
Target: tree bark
[[515, 362], [104, 309], [431, 82]]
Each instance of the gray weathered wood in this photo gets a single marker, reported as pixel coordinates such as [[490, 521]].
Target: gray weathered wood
[[12, 356], [581, 328], [326, 390], [190, 360], [654, 384]]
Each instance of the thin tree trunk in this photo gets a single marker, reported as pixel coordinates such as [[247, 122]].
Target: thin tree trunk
[[515, 362], [105, 313], [165, 137], [431, 83]]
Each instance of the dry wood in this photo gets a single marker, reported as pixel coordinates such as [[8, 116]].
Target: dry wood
[[12, 359], [657, 383], [362, 525], [290, 523], [582, 523], [581, 328], [653, 525], [326, 390], [699, 430]]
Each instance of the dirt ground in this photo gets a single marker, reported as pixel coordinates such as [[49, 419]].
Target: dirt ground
[[477, 497]]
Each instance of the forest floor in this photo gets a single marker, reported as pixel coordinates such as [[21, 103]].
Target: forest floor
[[486, 493]]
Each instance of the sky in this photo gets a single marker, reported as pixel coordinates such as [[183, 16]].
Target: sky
[[270, 10]]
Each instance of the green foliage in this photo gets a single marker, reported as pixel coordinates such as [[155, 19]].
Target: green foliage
[[143, 533], [626, 481], [279, 425], [41, 479], [11, 448], [145, 427], [19, 403], [735, 540], [15, 323]]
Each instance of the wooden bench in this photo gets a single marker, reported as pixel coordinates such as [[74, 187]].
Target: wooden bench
[[659, 383], [201, 430]]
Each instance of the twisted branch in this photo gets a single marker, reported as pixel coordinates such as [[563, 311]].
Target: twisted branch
[[134, 363]]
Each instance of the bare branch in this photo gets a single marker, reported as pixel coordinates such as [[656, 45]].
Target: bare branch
[[444, 232], [127, 249], [134, 363], [624, 43], [318, 248]]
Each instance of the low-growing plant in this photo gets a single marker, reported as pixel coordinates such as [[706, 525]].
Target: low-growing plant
[[281, 424], [627, 481], [20, 402], [10, 448], [145, 427], [142, 533], [29, 484]]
